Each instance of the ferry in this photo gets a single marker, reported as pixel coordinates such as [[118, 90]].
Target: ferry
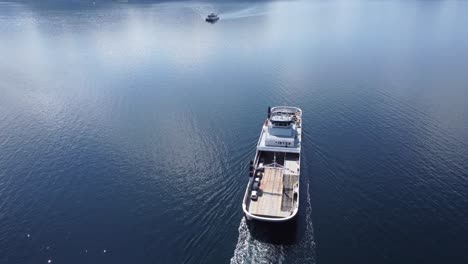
[[212, 18], [272, 193]]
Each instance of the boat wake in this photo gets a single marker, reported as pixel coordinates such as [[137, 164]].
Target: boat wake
[[309, 242], [203, 10], [244, 13], [250, 249]]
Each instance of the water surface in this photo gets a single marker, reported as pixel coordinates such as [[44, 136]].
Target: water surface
[[126, 130]]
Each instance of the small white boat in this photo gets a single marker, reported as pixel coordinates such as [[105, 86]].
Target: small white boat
[[272, 194], [212, 18]]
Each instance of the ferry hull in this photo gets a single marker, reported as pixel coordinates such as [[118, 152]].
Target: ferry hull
[[272, 194]]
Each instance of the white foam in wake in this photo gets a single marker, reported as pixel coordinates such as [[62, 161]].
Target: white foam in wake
[[246, 12], [309, 242], [249, 250]]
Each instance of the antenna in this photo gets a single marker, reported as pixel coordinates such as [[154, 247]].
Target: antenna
[[274, 159]]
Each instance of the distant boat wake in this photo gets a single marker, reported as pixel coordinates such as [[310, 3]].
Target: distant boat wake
[[250, 250], [244, 13], [237, 14]]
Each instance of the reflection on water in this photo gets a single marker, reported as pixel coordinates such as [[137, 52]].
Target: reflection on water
[[129, 127]]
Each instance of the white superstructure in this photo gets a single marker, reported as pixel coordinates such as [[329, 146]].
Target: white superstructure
[[272, 193], [212, 17]]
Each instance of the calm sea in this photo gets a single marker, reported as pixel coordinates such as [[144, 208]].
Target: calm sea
[[126, 130]]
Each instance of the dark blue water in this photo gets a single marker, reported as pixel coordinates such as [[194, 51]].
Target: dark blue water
[[126, 130]]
